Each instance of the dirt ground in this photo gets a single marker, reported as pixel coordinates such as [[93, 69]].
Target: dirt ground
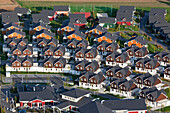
[[8, 5], [102, 0]]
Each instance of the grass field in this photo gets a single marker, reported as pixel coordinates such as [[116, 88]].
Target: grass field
[[109, 6]]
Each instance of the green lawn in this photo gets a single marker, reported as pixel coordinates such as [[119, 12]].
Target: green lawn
[[168, 92], [125, 36], [108, 7], [121, 43], [153, 48], [165, 109]]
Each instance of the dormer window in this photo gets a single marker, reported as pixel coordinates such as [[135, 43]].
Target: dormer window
[[91, 80], [81, 79], [84, 79], [78, 21]]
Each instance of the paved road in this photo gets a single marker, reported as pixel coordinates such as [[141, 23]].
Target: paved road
[[5, 90]]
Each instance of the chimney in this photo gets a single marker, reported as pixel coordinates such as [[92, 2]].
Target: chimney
[[102, 101], [33, 88]]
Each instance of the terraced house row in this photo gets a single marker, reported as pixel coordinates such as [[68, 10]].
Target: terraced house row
[[93, 55]]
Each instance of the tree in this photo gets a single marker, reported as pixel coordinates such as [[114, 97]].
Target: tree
[[26, 77], [15, 99]]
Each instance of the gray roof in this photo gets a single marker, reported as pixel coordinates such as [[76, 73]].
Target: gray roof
[[84, 42], [124, 56], [153, 79], [74, 41], [107, 20], [47, 12], [140, 40], [113, 54], [99, 76], [15, 30], [105, 44], [81, 102], [146, 90], [54, 60], [144, 76], [93, 51], [21, 10], [47, 41], [84, 63], [128, 84], [47, 93], [54, 49], [21, 59], [159, 25], [145, 60], [8, 17], [103, 30], [41, 24], [40, 17], [163, 54], [118, 81], [61, 8], [94, 107], [155, 94], [78, 33], [13, 24], [125, 12], [68, 23], [126, 104], [75, 93], [109, 35], [22, 48], [157, 16], [16, 40], [75, 17], [45, 32]]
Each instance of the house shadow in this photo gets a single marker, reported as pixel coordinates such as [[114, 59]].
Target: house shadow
[[167, 3]]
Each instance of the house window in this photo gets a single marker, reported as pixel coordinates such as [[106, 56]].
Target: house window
[[94, 81], [140, 65], [18, 64], [91, 80], [18, 52], [117, 59], [130, 53], [59, 65], [15, 64], [84, 79], [56, 65], [49, 64], [77, 67], [56, 53], [87, 55]]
